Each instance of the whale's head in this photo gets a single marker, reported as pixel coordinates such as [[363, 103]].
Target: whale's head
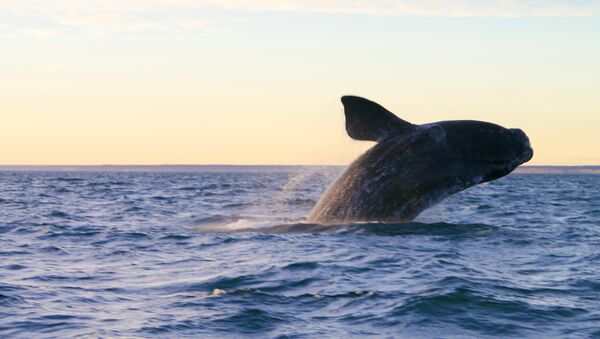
[[489, 150]]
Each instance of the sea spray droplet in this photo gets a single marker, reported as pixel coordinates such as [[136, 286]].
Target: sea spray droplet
[[214, 293]]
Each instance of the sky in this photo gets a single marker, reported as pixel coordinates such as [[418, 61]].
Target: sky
[[259, 82]]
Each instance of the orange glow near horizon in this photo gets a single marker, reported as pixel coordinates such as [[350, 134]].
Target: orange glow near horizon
[[264, 88]]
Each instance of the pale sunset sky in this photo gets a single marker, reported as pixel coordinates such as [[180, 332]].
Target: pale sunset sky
[[259, 82]]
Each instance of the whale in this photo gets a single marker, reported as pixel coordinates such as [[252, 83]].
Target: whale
[[413, 167]]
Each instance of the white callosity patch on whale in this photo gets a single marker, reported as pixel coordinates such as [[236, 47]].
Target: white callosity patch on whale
[[437, 133]]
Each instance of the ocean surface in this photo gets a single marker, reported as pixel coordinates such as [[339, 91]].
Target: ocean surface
[[226, 253]]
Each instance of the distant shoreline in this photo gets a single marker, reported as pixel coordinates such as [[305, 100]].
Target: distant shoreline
[[251, 168]]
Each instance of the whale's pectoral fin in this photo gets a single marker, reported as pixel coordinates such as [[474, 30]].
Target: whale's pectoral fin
[[367, 120]]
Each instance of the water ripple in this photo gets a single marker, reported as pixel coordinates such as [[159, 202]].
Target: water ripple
[[126, 254]]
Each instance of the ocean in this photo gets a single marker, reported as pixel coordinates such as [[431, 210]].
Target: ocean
[[224, 251]]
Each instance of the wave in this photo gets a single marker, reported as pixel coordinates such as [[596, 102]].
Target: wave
[[232, 224]]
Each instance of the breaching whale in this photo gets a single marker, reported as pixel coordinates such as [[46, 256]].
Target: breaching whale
[[413, 167]]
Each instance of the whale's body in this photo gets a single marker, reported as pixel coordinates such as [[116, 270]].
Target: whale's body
[[413, 167]]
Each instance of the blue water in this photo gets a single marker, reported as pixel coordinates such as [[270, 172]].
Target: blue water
[[226, 254]]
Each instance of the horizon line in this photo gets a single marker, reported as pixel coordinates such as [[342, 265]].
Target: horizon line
[[216, 168], [240, 165]]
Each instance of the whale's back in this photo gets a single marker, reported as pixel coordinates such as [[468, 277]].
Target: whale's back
[[391, 182]]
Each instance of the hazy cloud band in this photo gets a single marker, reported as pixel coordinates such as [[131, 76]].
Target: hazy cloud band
[[493, 8]]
